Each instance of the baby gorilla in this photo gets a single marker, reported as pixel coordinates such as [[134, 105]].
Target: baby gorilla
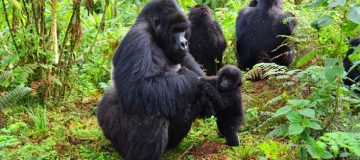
[[225, 90]]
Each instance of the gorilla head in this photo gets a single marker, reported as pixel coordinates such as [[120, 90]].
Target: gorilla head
[[167, 26], [200, 12], [230, 78]]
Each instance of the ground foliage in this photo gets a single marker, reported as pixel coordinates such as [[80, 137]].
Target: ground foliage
[[55, 65]]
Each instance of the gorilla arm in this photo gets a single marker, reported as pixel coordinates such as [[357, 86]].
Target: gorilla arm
[[221, 42], [190, 63], [140, 80]]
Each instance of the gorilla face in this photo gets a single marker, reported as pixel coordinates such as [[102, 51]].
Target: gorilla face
[[168, 25], [229, 78]]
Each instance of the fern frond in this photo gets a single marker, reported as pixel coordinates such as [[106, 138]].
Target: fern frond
[[350, 141], [13, 96], [276, 100], [6, 141], [5, 75], [264, 70]]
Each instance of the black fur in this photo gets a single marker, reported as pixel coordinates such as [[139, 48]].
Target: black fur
[[257, 34], [228, 107], [207, 42], [152, 103], [253, 3], [354, 74]]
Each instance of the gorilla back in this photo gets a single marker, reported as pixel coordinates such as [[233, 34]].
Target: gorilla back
[[257, 34], [151, 106], [207, 42]]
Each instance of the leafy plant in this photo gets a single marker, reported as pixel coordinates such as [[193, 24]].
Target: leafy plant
[[341, 144], [10, 98], [264, 70], [39, 119], [318, 105]]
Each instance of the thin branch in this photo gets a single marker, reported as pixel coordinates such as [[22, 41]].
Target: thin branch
[[186, 152], [8, 23]]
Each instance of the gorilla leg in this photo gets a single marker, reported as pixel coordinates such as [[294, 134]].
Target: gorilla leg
[[134, 137], [146, 138], [229, 132], [180, 126]]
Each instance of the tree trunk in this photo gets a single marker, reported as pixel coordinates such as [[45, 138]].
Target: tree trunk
[[54, 38]]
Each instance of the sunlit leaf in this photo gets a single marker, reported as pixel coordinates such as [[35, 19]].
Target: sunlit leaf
[[354, 14], [282, 111], [322, 22], [308, 113], [335, 3]]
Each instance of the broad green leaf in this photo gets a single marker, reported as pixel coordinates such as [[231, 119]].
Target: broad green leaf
[[283, 111], [354, 14], [322, 22], [315, 125], [311, 124], [295, 128], [335, 3], [307, 112], [282, 129], [332, 69], [294, 117], [317, 3], [299, 103], [303, 60]]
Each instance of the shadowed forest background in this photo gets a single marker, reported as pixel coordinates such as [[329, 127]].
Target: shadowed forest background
[[55, 65]]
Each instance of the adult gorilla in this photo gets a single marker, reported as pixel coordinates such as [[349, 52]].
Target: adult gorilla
[[153, 102], [257, 34], [207, 42]]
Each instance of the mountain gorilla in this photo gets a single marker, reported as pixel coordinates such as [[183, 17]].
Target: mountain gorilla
[[254, 3], [154, 99], [354, 74], [207, 42], [225, 91], [258, 31]]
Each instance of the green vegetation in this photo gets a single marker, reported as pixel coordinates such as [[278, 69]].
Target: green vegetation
[[55, 64]]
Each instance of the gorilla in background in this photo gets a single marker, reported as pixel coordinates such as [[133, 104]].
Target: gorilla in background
[[354, 74], [156, 85], [254, 3], [207, 42], [225, 91], [258, 31]]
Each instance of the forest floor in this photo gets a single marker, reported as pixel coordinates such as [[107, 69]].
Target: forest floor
[[72, 132]]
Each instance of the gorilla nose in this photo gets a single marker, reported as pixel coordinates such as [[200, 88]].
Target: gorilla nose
[[184, 45]]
